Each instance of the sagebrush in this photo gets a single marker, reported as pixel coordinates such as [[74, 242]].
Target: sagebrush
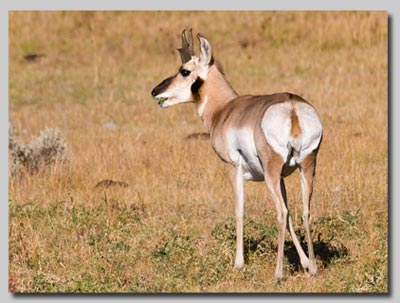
[[46, 149]]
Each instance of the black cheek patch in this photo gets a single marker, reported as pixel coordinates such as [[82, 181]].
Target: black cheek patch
[[196, 87]]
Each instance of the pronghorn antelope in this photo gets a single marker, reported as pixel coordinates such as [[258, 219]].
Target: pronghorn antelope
[[257, 137]]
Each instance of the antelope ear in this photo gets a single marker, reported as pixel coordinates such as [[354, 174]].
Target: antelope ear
[[205, 51]]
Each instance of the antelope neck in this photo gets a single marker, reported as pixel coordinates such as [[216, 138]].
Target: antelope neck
[[214, 94]]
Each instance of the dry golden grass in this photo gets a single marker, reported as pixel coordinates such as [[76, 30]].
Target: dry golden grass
[[172, 228]]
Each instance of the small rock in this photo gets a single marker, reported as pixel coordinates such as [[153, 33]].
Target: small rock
[[108, 183], [33, 57], [110, 125], [198, 136]]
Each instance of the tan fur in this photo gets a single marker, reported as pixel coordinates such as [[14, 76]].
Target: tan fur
[[295, 130], [271, 160], [217, 90]]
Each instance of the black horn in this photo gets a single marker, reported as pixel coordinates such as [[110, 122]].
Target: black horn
[[186, 51]]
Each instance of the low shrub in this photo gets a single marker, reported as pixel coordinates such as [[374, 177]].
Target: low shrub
[[46, 149]]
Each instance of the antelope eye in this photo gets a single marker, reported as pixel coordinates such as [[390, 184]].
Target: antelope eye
[[185, 72]]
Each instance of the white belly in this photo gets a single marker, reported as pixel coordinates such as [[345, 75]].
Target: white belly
[[242, 151]]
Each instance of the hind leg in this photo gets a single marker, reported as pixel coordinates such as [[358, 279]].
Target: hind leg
[[272, 179], [303, 257], [273, 164], [307, 172]]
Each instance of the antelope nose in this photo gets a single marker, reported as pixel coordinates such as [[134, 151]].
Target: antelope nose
[[153, 93]]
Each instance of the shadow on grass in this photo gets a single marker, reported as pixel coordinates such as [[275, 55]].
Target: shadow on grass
[[261, 240], [325, 251]]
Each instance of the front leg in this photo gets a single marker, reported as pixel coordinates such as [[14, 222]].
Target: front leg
[[235, 174]]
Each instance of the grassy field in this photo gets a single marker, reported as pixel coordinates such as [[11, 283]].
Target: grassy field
[[171, 229]]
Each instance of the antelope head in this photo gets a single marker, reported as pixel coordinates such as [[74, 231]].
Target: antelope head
[[182, 87]]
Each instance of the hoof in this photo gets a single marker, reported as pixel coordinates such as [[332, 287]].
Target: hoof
[[279, 276], [279, 279], [312, 269], [238, 264]]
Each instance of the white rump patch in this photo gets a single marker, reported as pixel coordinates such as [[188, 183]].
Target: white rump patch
[[276, 125]]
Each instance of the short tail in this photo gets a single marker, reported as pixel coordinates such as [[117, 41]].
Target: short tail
[[293, 155]]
